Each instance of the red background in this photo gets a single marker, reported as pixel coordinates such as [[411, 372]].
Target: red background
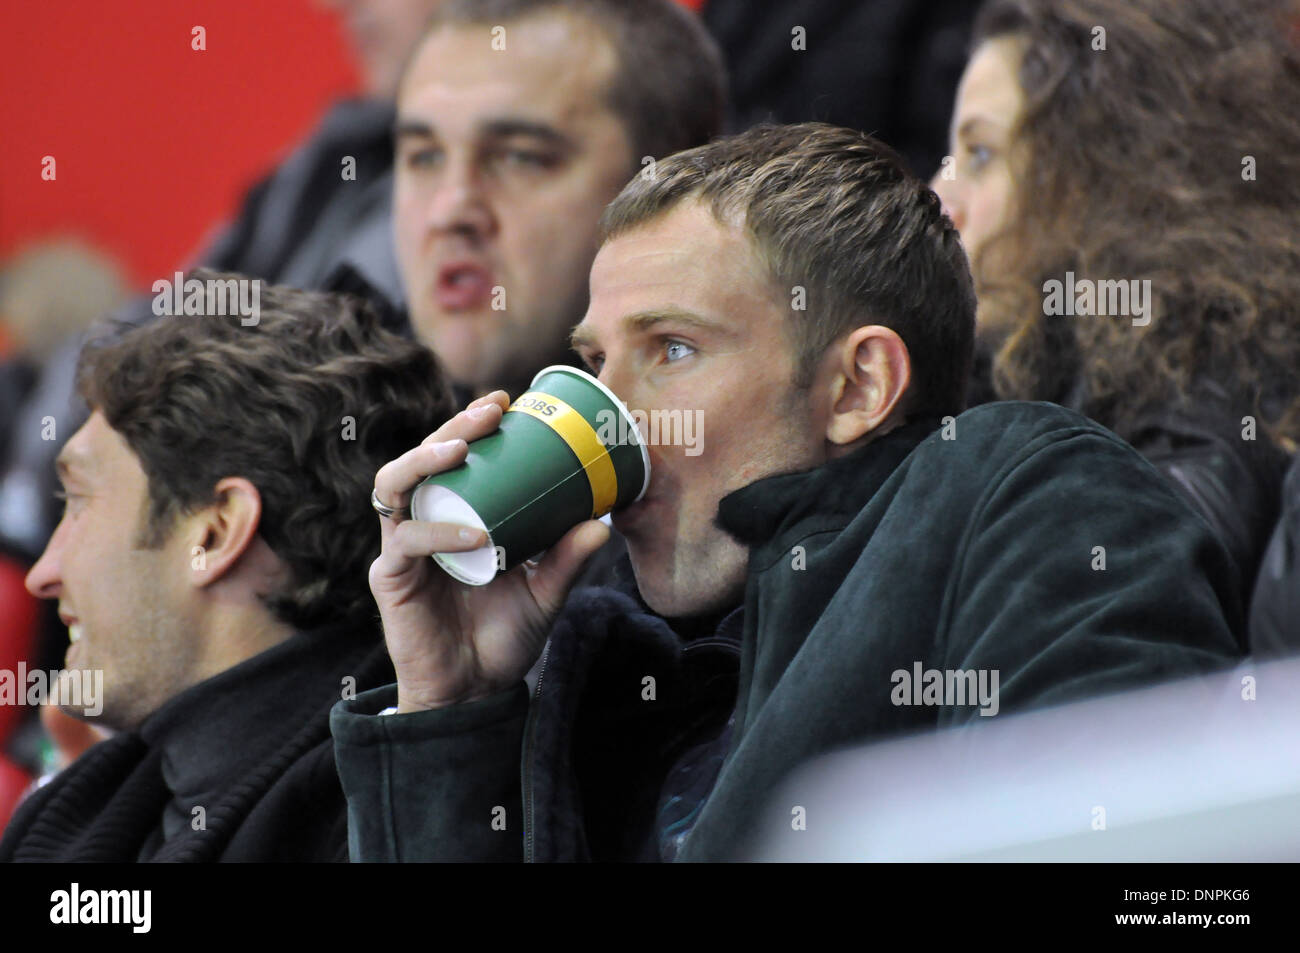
[[154, 142]]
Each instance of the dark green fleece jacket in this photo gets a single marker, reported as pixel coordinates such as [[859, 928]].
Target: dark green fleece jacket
[[1020, 545]]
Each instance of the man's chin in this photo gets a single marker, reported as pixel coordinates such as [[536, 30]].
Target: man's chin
[[477, 367], [676, 598], [80, 713], [73, 656]]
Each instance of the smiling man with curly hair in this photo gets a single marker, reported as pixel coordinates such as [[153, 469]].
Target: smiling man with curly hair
[[211, 569]]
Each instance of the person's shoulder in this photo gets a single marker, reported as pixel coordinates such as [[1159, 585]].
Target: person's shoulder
[[1031, 450], [1004, 434], [1017, 419]]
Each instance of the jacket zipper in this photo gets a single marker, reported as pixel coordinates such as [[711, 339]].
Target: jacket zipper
[[530, 724]]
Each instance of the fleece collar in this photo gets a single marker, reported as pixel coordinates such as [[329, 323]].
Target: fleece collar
[[775, 510]]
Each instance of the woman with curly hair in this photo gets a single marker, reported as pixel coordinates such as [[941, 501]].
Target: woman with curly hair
[[1149, 147]]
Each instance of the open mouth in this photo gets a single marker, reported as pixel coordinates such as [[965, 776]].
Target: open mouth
[[462, 286]]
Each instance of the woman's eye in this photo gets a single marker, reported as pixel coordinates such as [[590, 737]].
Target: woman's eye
[[676, 350], [978, 156], [594, 363]]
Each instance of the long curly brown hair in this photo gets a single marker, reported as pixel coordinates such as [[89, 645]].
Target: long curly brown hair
[[1173, 154]]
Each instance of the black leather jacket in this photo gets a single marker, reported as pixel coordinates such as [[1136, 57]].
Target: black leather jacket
[[1233, 482], [1229, 472], [1275, 608]]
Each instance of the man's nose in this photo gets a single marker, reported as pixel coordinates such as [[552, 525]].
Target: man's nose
[[614, 376], [460, 202], [609, 376], [45, 580]]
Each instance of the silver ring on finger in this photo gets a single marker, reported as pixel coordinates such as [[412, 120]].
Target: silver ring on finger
[[394, 513]]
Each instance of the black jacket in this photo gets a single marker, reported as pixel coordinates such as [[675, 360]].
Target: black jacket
[[1022, 539], [1227, 470], [1275, 609], [237, 768], [1232, 482]]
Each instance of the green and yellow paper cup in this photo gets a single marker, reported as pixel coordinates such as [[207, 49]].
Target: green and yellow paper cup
[[567, 451]]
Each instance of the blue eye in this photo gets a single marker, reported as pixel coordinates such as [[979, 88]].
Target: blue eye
[[979, 156], [676, 348]]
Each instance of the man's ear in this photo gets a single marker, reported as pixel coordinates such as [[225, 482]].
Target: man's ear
[[220, 534], [871, 373]]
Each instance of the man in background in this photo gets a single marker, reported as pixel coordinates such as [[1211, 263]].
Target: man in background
[[210, 566], [517, 122]]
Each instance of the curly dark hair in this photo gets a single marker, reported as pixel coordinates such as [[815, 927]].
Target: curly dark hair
[[1132, 162], [202, 397]]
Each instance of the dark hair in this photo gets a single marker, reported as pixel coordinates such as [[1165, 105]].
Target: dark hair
[[670, 84], [202, 397], [1129, 164], [835, 212]]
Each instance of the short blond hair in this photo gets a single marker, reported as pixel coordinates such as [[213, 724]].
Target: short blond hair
[[834, 212]]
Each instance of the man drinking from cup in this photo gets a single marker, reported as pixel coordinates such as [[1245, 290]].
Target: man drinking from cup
[[845, 521]]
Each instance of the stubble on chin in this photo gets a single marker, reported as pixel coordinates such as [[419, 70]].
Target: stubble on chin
[[697, 580], [149, 671]]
